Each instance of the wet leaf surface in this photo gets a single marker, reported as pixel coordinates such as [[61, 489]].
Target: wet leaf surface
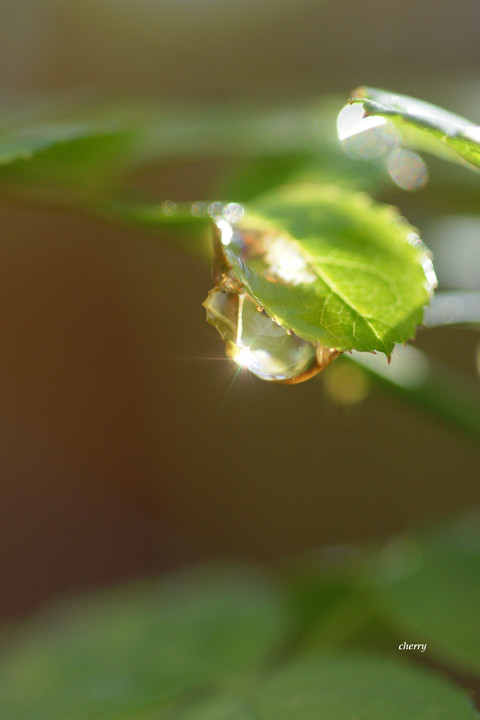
[[424, 126], [361, 285]]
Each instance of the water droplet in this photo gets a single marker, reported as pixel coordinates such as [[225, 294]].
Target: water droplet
[[431, 281], [233, 212], [431, 277], [254, 342], [198, 209], [407, 169], [414, 239], [285, 262], [226, 230], [473, 132], [222, 306], [365, 138], [215, 209], [169, 207]]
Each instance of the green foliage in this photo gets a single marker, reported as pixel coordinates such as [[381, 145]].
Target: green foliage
[[368, 284], [231, 644], [334, 687], [64, 162], [110, 655], [424, 126], [344, 687], [430, 585], [219, 642]]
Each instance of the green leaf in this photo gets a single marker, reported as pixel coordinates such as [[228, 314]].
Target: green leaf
[[116, 652], [341, 687], [327, 165], [430, 586], [64, 161], [366, 285], [363, 687], [424, 126]]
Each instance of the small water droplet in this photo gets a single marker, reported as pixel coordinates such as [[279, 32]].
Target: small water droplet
[[365, 138], [233, 212], [426, 260], [215, 209], [414, 239], [407, 169], [430, 274], [169, 207], [199, 209]]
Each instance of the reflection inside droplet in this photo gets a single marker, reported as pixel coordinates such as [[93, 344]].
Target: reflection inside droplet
[[407, 169], [365, 138], [277, 256], [256, 342]]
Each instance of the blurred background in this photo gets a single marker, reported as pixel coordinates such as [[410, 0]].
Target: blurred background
[[126, 445]]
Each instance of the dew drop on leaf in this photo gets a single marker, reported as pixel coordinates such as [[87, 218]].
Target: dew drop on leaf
[[253, 339], [256, 342], [365, 138], [407, 169]]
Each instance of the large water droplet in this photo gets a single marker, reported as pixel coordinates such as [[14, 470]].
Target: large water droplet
[[256, 342]]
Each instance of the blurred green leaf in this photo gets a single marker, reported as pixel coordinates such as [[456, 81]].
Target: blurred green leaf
[[64, 161], [328, 165], [113, 653], [55, 150], [340, 687], [329, 600], [429, 585], [366, 286], [358, 686], [424, 126]]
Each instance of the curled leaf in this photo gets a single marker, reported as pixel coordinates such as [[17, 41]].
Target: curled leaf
[[424, 126]]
